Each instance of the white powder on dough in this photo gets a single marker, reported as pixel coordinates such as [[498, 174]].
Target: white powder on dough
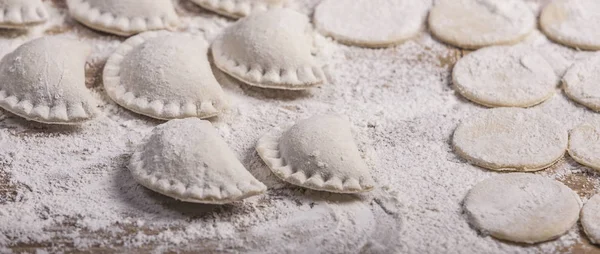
[[74, 192]]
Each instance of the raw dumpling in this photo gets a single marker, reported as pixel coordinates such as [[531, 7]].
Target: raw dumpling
[[186, 159], [240, 8], [371, 23], [124, 17], [584, 144], [165, 76], [317, 153], [22, 13], [522, 207], [473, 24], [582, 82], [269, 49], [590, 219], [44, 81], [573, 23]]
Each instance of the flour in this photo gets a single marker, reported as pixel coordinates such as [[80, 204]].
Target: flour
[[74, 191]]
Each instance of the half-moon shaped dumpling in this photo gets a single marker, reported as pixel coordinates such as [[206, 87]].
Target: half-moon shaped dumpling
[[186, 159], [269, 49], [124, 17], [44, 81], [317, 153], [240, 8], [22, 13], [165, 76]]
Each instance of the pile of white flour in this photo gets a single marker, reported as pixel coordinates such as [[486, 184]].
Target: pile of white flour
[[73, 190]]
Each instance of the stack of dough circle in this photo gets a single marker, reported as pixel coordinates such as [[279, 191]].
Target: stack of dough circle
[[590, 219], [573, 23], [582, 82], [511, 139], [474, 24], [522, 207], [584, 144]]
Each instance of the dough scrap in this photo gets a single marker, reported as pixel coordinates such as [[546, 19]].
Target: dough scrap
[[165, 76], [474, 24], [44, 81], [371, 23], [511, 139], [590, 219], [269, 49], [582, 82], [573, 23], [584, 144], [186, 159], [124, 17], [22, 13], [503, 76], [522, 207], [240, 8], [317, 153]]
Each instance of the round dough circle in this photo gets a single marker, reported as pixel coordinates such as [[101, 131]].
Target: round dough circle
[[522, 207], [511, 139], [474, 24], [590, 219], [504, 76], [573, 23], [584, 144], [582, 82], [371, 23]]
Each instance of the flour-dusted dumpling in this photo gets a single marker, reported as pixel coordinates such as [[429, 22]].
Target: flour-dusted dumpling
[[44, 81], [186, 159], [371, 23], [269, 49], [573, 23], [521, 207], [582, 82], [511, 139], [590, 219], [584, 143], [165, 76], [474, 24], [317, 153], [503, 76], [240, 8], [124, 17], [22, 13]]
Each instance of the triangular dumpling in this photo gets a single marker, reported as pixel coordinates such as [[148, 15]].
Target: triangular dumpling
[[317, 153], [164, 75], [269, 49], [44, 81], [240, 8], [186, 159], [22, 13], [124, 17]]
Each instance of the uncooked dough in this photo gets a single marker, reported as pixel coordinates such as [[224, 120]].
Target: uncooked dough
[[582, 82], [44, 80], [371, 23], [164, 75], [573, 23], [317, 153], [474, 24], [22, 13], [590, 219], [186, 159], [240, 8], [269, 49], [584, 143], [504, 76], [522, 207], [124, 17], [511, 139]]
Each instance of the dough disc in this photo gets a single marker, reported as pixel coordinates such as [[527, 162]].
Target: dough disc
[[371, 23], [521, 207], [584, 144], [590, 219], [511, 139], [573, 23], [474, 24], [582, 82], [505, 77]]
